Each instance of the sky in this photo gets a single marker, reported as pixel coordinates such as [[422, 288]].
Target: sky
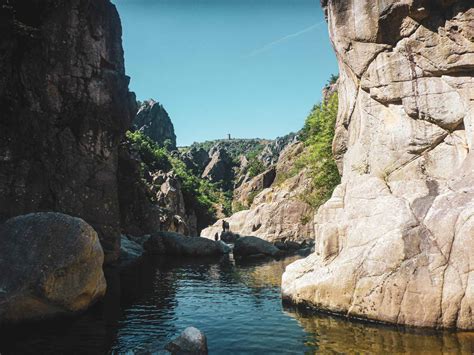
[[250, 68]]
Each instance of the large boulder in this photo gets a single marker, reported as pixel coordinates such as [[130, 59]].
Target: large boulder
[[169, 243], [50, 265], [394, 243], [153, 121], [65, 106], [252, 246]]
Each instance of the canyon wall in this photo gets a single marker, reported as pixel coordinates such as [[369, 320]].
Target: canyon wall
[[64, 107], [395, 242]]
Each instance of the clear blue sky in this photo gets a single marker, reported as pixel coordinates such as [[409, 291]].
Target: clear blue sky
[[251, 68]]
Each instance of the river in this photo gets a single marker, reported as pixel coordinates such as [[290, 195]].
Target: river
[[237, 305]]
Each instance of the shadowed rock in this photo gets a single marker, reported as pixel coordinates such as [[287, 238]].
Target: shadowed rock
[[50, 265], [252, 246], [169, 243], [64, 108]]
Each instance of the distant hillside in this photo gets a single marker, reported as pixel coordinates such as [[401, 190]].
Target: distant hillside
[[234, 147]]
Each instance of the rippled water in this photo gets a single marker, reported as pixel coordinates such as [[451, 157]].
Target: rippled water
[[238, 306]]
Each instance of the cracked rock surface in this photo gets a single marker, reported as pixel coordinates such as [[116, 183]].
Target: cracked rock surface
[[64, 107], [395, 243]]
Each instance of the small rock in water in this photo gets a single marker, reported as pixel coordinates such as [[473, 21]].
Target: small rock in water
[[191, 341]]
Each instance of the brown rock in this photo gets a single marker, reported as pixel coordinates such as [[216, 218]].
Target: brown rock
[[50, 265]]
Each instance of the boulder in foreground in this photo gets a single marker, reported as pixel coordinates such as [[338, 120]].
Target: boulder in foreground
[[191, 341], [169, 243], [50, 265]]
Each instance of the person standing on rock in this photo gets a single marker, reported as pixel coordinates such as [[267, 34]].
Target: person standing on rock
[[225, 226]]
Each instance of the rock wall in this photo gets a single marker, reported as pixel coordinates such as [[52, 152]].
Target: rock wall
[[395, 242], [277, 213], [153, 121], [64, 106]]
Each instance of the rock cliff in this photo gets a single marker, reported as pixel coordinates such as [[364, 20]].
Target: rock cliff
[[153, 121], [394, 243], [64, 107], [277, 211]]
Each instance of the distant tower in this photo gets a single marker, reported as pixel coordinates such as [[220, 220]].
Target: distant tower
[[228, 136]]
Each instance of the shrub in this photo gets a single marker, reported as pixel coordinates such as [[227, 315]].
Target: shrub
[[199, 195], [255, 167], [152, 155], [317, 135]]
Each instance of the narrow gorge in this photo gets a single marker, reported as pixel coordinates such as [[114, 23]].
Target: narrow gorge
[[117, 238]]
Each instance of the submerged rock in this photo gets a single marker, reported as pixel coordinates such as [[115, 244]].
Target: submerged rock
[[191, 341], [169, 243], [50, 265], [395, 242], [252, 246]]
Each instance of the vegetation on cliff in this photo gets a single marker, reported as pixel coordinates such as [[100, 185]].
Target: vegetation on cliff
[[235, 147], [317, 135], [199, 194]]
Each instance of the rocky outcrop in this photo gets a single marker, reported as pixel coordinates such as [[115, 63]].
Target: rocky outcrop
[[153, 121], [169, 196], [278, 213], [394, 243], [139, 215], [271, 153], [247, 191], [169, 243], [220, 167], [196, 159], [50, 265], [64, 107]]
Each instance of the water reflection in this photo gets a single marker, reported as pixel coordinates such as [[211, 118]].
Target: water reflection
[[337, 335], [237, 304]]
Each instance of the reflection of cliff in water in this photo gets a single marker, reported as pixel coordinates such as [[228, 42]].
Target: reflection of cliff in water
[[334, 334], [102, 327]]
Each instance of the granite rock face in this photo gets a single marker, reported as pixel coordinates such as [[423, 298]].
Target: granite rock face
[[247, 191], [64, 107], [394, 243], [50, 265], [153, 121], [220, 167], [277, 213]]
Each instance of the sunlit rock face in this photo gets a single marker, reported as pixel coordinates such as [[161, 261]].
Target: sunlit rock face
[[395, 242], [64, 107], [276, 213]]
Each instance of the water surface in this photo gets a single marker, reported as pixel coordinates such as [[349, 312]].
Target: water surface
[[238, 306]]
